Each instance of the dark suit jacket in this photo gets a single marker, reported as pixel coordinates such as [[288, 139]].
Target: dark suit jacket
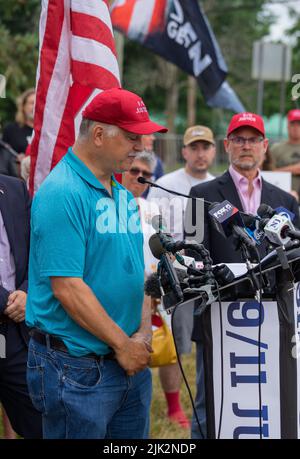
[[8, 164], [222, 250], [15, 209]]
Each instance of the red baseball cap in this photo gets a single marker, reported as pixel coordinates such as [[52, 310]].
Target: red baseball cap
[[246, 119], [123, 109], [294, 115]]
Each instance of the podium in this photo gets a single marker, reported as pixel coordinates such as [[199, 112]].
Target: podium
[[239, 403]]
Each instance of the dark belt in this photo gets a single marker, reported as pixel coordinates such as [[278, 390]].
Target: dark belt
[[59, 345]]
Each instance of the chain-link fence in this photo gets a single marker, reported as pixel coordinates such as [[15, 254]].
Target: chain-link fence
[[168, 148]]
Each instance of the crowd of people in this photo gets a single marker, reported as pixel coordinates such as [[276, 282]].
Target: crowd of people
[[76, 365]]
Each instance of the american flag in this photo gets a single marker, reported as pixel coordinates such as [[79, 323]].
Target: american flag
[[77, 60]]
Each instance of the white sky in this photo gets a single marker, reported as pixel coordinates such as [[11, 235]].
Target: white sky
[[284, 21]]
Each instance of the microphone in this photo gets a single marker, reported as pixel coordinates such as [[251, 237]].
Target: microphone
[[152, 287], [158, 251], [266, 212], [209, 203], [170, 245], [228, 221], [166, 241], [156, 246], [253, 228], [285, 212], [280, 230], [144, 181], [223, 274], [278, 227]]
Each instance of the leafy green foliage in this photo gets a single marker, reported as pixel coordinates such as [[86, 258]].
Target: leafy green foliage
[[18, 50], [236, 24]]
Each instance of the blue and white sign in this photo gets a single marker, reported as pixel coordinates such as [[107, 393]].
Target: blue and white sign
[[241, 404], [296, 347]]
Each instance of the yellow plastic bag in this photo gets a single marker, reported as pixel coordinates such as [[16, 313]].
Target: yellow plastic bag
[[164, 352]]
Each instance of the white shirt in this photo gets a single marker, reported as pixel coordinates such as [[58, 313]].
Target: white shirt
[[147, 211], [172, 207]]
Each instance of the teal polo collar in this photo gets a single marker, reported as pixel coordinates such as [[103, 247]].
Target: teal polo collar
[[78, 166]]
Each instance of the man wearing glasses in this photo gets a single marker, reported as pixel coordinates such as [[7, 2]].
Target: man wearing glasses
[[244, 187], [242, 183]]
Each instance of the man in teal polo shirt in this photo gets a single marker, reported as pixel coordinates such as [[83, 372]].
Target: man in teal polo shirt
[[91, 328]]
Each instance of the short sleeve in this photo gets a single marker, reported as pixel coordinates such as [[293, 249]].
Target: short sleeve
[[59, 236]]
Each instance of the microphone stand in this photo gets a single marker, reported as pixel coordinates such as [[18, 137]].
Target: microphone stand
[[250, 266], [183, 195]]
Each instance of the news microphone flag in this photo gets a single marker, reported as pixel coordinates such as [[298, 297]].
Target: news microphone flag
[[223, 215], [77, 59], [179, 31]]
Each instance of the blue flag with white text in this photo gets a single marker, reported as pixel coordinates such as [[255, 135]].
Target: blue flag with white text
[[179, 31]]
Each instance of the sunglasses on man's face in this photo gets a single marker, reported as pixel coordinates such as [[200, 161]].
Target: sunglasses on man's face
[[135, 171]]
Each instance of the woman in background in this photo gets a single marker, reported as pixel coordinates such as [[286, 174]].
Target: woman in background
[[18, 133]]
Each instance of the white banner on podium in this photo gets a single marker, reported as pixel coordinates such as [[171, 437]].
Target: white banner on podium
[[296, 347], [240, 368]]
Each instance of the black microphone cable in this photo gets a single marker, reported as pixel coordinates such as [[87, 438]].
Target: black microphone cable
[[183, 375], [222, 362], [208, 277], [259, 343], [259, 290], [207, 268], [183, 195]]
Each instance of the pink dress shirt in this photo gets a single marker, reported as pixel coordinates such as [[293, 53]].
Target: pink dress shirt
[[251, 202]]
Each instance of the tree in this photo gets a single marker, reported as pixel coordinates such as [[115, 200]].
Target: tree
[[236, 24], [18, 51]]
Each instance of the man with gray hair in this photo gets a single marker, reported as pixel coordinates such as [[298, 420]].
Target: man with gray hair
[[91, 339]]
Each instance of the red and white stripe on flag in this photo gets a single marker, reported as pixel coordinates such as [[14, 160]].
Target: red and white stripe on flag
[[77, 59], [138, 18]]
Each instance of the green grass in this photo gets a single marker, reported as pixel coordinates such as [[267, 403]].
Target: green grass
[[161, 427]]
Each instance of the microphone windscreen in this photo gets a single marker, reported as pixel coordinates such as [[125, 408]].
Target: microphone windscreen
[[142, 180], [151, 286], [223, 274], [156, 246], [265, 211]]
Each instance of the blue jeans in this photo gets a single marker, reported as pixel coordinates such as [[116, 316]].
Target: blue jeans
[[85, 398], [200, 396]]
